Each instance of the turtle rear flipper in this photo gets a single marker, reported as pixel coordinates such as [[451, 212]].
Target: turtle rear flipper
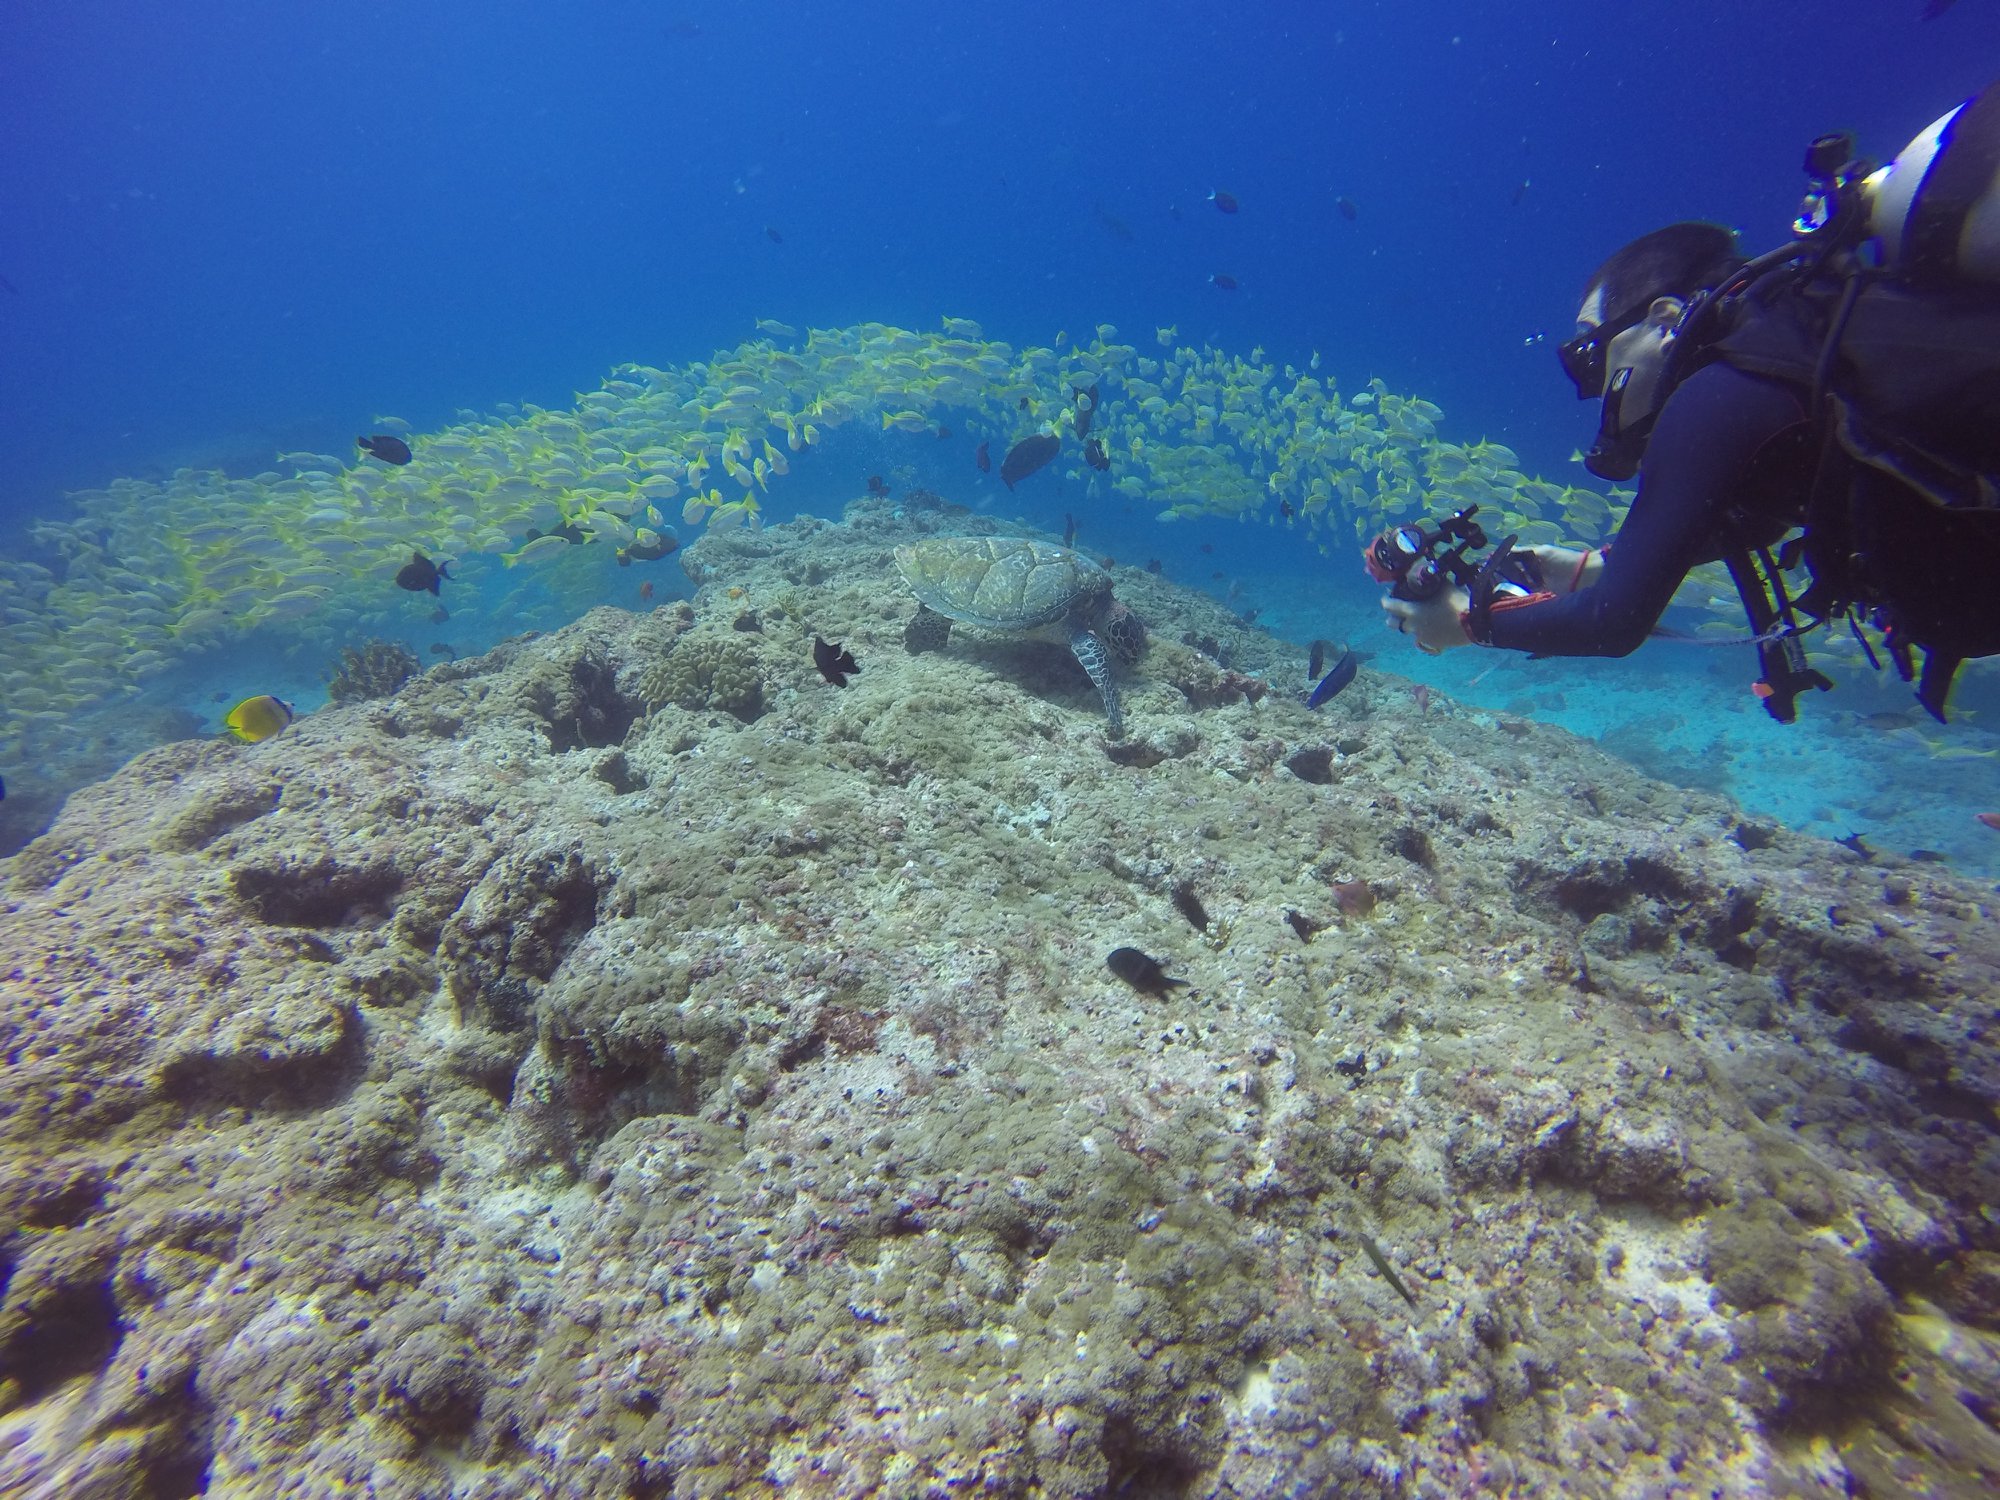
[[1089, 650], [927, 631]]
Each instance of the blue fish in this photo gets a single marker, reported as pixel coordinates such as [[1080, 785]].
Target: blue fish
[[1342, 674]]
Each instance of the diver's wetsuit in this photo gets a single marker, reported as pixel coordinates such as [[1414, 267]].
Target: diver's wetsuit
[[1695, 502]]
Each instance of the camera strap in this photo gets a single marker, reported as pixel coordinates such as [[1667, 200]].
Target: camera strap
[[1504, 581]]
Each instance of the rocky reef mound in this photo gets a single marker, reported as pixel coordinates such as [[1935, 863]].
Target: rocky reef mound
[[625, 1064]]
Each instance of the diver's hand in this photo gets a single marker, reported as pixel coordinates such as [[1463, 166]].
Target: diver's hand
[[1432, 622], [1566, 569]]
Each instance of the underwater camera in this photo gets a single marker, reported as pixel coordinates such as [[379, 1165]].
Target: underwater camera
[[1418, 561], [1836, 206]]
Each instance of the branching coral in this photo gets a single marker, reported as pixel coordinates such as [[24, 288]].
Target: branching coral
[[374, 670]]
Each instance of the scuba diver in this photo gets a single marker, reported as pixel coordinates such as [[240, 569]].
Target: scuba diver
[[1847, 383]]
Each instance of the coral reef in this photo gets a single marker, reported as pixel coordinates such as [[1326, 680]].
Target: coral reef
[[707, 668], [503, 1088], [373, 670]]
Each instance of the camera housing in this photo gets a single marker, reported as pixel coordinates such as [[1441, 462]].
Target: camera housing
[[1418, 561]]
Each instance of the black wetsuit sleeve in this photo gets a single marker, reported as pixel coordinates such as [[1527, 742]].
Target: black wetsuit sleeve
[[1708, 433]]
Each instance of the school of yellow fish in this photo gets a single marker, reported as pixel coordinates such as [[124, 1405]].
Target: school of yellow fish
[[305, 554]]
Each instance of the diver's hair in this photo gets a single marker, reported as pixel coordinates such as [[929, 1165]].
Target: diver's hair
[[1676, 261]]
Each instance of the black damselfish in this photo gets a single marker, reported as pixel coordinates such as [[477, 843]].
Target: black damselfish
[[1142, 973], [391, 450], [836, 663], [1084, 403], [1188, 904]]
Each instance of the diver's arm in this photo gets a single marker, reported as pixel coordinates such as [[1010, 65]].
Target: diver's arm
[[1565, 569], [1708, 432]]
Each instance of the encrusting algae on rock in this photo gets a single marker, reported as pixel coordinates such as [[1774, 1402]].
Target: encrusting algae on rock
[[529, 1081]]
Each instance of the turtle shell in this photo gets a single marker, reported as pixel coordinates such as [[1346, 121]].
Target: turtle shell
[[999, 583]]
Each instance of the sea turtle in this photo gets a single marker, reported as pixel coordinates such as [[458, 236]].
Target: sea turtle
[[1021, 587]]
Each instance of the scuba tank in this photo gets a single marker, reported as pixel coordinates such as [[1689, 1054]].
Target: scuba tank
[[1935, 209]]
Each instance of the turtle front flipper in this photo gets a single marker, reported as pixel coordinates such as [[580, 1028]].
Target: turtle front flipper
[[1091, 655]]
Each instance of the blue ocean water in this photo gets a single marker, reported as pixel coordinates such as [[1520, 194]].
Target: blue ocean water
[[229, 230]]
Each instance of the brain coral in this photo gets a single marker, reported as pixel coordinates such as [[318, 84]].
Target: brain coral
[[707, 669]]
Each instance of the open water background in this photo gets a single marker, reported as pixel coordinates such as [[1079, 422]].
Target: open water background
[[230, 229]]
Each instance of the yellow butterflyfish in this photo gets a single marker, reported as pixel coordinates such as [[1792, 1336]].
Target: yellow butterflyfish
[[257, 719]]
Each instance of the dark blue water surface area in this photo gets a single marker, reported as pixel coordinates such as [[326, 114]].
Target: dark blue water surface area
[[234, 229]]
